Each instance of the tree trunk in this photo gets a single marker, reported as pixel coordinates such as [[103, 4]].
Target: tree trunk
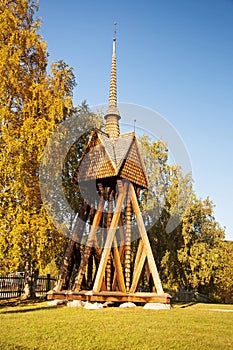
[[30, 285]]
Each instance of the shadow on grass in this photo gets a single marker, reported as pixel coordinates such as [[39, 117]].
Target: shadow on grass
[[184, 305], [29, 310], [17, 302], [20, 302]]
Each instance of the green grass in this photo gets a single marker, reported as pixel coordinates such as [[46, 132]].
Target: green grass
[[37, 326]]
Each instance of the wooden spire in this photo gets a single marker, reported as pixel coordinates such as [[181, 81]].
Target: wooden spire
[[112, 116]]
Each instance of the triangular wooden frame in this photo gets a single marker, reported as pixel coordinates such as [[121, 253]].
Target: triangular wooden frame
[[144, 253]]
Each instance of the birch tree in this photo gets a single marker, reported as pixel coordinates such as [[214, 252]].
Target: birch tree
[[32, 104]]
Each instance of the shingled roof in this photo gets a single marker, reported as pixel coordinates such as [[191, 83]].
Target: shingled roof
[[106, 158]]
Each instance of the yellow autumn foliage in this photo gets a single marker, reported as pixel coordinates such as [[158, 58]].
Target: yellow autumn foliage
[[32, 103]]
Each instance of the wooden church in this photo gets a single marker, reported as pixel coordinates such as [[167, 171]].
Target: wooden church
[[109, 264]]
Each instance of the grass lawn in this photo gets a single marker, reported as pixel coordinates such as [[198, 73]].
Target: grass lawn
[[38, 326]]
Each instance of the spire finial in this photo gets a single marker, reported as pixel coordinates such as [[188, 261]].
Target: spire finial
[[115, 24], [113, 115], [114, 40]]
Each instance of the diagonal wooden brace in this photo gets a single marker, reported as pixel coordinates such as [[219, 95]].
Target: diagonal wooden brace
[[146, 243], [90, 241]]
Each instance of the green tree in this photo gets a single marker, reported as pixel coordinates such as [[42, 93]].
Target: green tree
[[185, 237], [201, 238], [223, 276], [164, 205]]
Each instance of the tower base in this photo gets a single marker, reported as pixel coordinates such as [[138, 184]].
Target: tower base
[[119, 297]]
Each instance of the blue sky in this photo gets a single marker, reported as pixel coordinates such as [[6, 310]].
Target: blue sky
[[174, 57]]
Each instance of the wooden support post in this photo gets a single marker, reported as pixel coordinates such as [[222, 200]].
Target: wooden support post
[[121, 249], [147, 269], [138, 266], [138, 271], [110, 236], [108, 272], [65, 266], [146, 243], [121, 230], [128, 215], [109, 220], [97, 253], [118, 267], [76, 236], [90, 269], [88, 247], [138, 254]]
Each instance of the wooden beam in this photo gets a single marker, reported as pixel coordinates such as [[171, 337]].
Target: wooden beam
[[65, 266], [146, 243], [138, 271], [128, 215], [118, 267], [138, 254], [147, 269], [97, 248], [75, 237], [122, 231], [121, 250], [109, 220], [90, 269], [110, 236], [111, 296], [89, 244]]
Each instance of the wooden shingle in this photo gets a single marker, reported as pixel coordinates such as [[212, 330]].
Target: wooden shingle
[[105, 158]]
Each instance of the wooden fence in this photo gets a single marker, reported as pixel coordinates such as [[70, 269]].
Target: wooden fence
[[190, 296], [13, 287]]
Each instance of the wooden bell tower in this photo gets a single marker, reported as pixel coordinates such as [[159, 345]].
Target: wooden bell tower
[[108, 263]]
